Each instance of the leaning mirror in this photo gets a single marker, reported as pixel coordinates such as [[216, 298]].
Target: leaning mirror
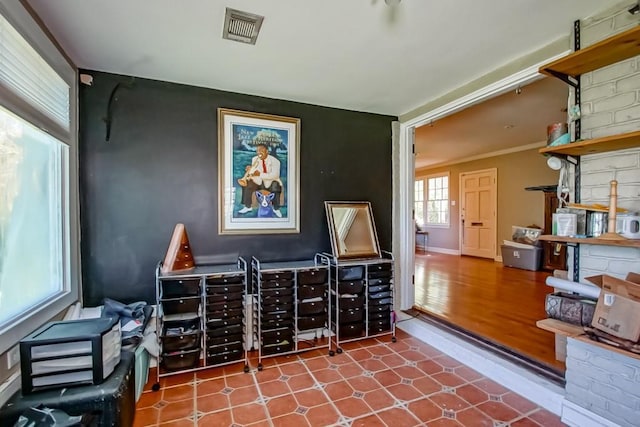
[[352, 230]]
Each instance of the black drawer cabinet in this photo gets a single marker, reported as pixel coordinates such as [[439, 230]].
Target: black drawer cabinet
[[290, 307], [201, 317], [362, 298]]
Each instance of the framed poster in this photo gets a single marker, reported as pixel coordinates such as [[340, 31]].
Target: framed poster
[[259, 173]]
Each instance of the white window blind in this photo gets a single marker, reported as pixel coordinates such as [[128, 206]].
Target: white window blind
[[24, 72], [39, 226]]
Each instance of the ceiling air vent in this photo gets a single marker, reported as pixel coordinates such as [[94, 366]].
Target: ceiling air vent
[[241, 26]]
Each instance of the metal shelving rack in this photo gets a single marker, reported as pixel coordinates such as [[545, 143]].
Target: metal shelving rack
[[291, 305], [569, 69], [363, 293], [200, 318]]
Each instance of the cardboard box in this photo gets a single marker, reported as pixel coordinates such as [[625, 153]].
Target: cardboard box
[[618, 309]]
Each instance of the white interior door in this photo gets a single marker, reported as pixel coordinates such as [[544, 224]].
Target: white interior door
[[478, 196]]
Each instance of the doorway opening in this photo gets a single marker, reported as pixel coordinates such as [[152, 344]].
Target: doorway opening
[[477, 291]]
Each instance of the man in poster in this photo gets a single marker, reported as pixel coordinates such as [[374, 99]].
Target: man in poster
[[262, 174]]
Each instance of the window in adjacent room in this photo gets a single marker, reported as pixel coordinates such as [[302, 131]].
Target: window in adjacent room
[[437, 200], [418, 202], [38, 178]]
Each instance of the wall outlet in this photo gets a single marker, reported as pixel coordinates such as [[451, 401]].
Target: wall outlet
[[13, 357]]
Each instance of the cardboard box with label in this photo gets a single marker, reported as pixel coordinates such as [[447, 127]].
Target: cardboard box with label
[[618, 309]]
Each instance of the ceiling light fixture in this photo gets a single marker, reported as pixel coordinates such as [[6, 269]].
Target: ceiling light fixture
[[635, 9]]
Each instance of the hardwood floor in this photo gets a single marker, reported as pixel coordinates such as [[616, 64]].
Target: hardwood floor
[[497, 303]]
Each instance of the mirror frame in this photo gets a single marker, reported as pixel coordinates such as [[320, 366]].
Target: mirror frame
[[335, 243]]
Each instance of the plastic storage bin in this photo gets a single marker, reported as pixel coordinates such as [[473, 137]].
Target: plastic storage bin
[[72, 352], [112, 403], [524, 258]]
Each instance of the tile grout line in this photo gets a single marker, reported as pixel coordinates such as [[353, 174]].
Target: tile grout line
[[520, 415], [260, 397], [408, 402], [471, 405], [323, 389], [299, 359], [382, 387], [195, 400]]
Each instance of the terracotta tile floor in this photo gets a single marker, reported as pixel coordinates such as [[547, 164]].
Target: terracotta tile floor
[[372, 383]]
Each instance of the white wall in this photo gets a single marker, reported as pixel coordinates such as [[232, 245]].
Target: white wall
[[610, 105]]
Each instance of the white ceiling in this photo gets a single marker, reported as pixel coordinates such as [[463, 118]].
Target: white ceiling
[[354, 54], [495, 126]]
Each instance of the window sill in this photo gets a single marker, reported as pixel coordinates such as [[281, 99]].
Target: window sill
[[9, 387]]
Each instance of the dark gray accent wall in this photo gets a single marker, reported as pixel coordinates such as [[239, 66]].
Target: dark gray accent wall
[[160, 167]]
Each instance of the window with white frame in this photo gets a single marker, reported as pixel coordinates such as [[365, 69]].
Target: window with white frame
[[436, 203], [39, 263], [418, 202]]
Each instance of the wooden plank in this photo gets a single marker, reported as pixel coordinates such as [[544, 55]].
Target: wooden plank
[[629, 243], [560, 327], [606, 52], [597, 145]]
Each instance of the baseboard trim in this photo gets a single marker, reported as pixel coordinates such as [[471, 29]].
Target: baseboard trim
[[498, 258], [443, 250], [577, 416]]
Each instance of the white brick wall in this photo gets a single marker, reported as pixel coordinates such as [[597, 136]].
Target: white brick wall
[[604, 382], [610, 105]]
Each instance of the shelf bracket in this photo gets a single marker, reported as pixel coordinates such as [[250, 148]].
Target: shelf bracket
[[577, 125], [570, 80], [576, 263]]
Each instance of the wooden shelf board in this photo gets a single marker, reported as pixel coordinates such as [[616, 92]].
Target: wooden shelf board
[[588, 340], [560, 327], [631, 243], [609, 51], [597, 145]]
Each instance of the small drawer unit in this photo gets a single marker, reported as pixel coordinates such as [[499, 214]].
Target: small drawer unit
[[201, 317], [68, 353], [290, 306], [362, 298]]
